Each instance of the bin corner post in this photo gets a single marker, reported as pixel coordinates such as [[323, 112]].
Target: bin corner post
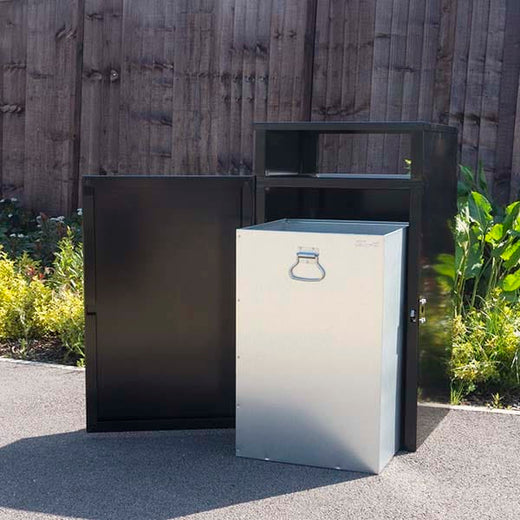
[[260, 151], [89, 271], [91, 373], [411, 357], [438, 208], [247, 210]]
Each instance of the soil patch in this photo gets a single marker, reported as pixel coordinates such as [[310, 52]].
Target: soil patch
[[509, 401], [44, 351]]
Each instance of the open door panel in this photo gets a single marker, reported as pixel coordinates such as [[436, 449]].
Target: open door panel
[[160, 299]]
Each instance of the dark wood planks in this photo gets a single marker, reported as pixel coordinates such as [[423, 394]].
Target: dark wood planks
[[194, 77], [238, 53], [507, 137], [134, 124], [460, 64], [432, 60], [40, 45], [379, 86], [348, 82], [100, 78], [475, 83], [432, 20], [173, 87], [52, 39], [412, 72], [491, 87], [13, 30], [331, 41], [515, 161], [248, 88], [444, 62], [396, 72], [363, 72], [3, 51], [161, 95]]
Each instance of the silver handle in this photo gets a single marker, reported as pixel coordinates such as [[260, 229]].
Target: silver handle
[[307, 255]]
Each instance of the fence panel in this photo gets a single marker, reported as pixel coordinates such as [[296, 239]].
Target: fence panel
[[158, 87]]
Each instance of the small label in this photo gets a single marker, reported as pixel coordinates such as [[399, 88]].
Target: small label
[[366, 243]]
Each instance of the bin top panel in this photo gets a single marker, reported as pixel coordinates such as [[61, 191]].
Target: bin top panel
[[346, 227], [362, 127]]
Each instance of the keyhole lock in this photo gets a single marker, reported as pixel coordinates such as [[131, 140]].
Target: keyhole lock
[[422, 310], [421, 315]]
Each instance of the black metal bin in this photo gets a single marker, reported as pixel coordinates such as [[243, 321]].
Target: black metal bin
[[160, 272]]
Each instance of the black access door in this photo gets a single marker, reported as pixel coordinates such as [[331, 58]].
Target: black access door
[[160, 299]]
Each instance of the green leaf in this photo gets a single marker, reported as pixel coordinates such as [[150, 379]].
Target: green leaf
[[495, 234], [498, 249], [476, 231], [511, 282], [459, 259], [511, 217], [481, 176], [511, 297], [510, 250], [474, 261], [511, 255], [479, 209], [462, 190], [467, 175]]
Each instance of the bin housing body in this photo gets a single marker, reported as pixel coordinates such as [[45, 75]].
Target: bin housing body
[[319, 362], [160, 271]]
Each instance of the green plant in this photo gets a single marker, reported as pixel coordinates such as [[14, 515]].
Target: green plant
[[22, 290], [62, 315], [457, 393], [487, 241], [67, 267], [36, 234], [50, 231], [486, 346], [22, 350], [496, 400], [471, 181], [41, 279], [488, 251], [485, 277]]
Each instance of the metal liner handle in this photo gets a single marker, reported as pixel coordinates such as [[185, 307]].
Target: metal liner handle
[[307, 255]]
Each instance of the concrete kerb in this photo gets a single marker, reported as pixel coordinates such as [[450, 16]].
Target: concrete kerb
[[40, 364]]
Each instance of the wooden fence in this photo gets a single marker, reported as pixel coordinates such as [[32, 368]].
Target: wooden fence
[[173, 86]]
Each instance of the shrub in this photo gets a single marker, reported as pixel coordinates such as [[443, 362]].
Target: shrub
[[488, 251], [37, 235], [486, 346], [67, 267], [62, 317], [41, 277], [486, 285], [22, 291], [62, 314]]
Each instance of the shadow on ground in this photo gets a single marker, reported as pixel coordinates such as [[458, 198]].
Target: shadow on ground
[[143, 475]]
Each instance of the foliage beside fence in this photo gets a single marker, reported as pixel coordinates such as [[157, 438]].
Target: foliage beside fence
[[486, 282], [41, 279]]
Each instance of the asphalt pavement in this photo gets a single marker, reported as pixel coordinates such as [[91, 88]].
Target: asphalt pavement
[[468, 468]]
